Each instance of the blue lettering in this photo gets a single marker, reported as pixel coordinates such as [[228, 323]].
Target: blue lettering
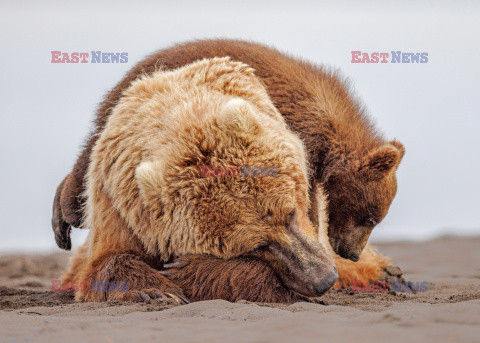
[[96, 286], [414, 286], [106, 57], [406, 57], [265, 171], [245, 171], [424, 57], [124, 57], [406, 287], [256, 171], [123, 286], [113, 286], [396, 286], [423, 287], [96, 56], [415, 57], [396, 55], [115, 57]]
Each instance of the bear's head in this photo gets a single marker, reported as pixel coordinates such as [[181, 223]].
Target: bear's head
[[360, 191], [230, 180]]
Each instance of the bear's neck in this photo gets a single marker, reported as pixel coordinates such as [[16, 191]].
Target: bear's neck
[[330, 121]]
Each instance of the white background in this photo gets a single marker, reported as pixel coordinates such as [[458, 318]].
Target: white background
[[46, 109]]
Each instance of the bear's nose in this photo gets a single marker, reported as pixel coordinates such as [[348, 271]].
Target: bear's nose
[[327, 282], [354, 257], [345, 252]]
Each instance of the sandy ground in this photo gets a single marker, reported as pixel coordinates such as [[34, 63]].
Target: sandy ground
[[449, 311]]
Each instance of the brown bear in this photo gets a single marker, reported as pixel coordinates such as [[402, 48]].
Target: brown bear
[[352, 167], [147, 200]]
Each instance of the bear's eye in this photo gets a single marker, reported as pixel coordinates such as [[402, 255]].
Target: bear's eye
[[291, 216], [369, 221], [268, 215]]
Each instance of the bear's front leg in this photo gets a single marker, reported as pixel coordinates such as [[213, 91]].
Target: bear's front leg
[[126, 277], [205, 277], [370, 268]]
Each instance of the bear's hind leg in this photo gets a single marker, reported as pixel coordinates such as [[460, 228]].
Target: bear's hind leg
[[125, 277]]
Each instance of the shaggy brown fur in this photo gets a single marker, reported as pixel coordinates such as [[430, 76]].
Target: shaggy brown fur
[[147, 201], [346, 155], [204, 277]]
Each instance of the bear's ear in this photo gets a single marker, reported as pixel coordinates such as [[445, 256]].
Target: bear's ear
[[149, 176], [400, 148], [381, 161], [238, 115]]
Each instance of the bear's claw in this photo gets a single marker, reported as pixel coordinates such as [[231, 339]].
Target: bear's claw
[[170, 266], [150, 294], [173, 265], [180, 298], [61, 229]]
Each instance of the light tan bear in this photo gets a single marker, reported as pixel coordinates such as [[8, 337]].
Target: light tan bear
[[148, 202], [353, 166]]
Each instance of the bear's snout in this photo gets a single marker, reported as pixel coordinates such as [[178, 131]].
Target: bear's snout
[[350, 242], [304, 265]]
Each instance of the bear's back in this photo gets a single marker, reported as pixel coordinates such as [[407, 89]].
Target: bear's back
[[311, 98], [271, 66]]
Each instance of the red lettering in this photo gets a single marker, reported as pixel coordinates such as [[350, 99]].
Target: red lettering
[[355, 57], [55, 56]]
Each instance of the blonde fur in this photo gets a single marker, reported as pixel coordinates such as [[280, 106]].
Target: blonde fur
[[145, 193]]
